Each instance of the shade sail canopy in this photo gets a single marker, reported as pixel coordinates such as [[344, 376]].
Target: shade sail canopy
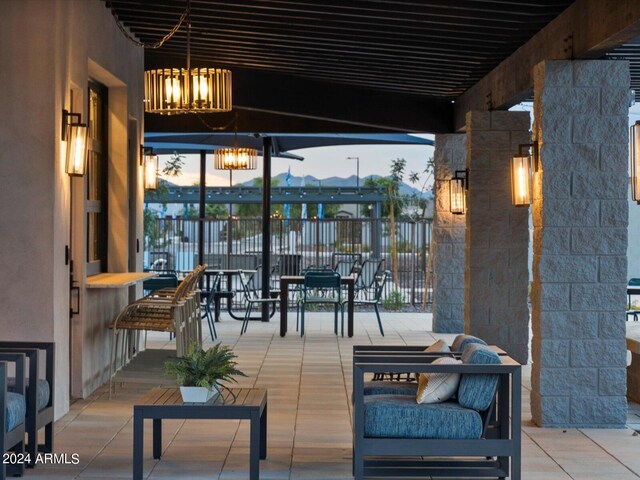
[[282, 143]]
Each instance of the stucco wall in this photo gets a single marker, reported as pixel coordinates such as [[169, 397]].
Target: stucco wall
[[48, 48]]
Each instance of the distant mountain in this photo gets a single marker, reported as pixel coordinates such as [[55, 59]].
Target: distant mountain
[[310, 180]]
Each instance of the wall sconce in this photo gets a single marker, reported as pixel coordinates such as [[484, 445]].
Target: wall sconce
[[150, 163], [635, 162], [75, 134], [522, 167], [457, 192]]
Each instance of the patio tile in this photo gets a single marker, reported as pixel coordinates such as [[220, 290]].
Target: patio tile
[[309, 434]]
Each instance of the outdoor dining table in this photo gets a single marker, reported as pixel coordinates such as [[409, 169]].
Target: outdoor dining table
[[287, 280]]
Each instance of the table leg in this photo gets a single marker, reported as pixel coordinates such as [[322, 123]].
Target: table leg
[[157, 438], [254, 447], [216, 303], [138, 443], [284, 305], [351, 298], [263, 433]]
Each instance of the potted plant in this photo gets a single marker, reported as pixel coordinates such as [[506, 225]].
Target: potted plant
[[200, 371]]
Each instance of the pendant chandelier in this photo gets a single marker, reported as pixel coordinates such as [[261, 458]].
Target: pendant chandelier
[[171, 91], [235, 158]]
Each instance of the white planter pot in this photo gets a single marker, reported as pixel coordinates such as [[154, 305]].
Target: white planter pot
[[198, 394]]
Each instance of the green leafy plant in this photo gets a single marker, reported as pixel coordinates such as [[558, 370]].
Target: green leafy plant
[[202, 368], [394, 301]]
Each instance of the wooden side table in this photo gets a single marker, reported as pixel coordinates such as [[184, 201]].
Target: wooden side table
[[159, 403]]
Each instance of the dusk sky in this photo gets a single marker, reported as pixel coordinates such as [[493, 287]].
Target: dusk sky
[[320, 162], [327, 162]]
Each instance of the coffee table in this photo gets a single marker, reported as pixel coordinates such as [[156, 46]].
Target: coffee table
[[159, 403]]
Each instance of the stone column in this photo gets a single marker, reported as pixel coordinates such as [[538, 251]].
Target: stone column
[[580, 215], [497, 237], [448, 240]]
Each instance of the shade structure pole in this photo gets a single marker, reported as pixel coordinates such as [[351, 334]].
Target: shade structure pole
[[201, 211], [266, 223]]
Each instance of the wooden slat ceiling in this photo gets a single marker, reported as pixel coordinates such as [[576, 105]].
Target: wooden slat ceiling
[[631, 53], [434, 48]]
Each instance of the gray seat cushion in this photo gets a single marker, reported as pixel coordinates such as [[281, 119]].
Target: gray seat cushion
[[476, 391], [390, 388], [16, 410], [399, 416], [42, 396], [461, 341]]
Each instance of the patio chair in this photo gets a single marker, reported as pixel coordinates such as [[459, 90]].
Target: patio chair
[[178, 314], [471, 435], [365, 283], [320, 286], [345, 267], [163, 279], [379, 283], [206, 299], [39, 392], [14, 408], [252, 297]]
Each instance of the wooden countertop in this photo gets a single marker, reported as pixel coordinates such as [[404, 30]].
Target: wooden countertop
[[117, 280]]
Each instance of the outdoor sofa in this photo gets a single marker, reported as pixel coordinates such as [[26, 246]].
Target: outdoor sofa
[[39, 392], [12, 421], [476, 434]]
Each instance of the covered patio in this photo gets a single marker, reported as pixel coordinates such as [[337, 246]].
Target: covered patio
[[310, 429], [533, 242]]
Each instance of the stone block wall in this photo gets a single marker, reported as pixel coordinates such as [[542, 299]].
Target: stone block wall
[[497, 234], [580, 215], [448, 238]]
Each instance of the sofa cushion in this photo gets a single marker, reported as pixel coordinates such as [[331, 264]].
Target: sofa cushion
[[438, 387], [16, 410], [461, 341], [382, 387], [438, 347], [43, 394], [398, 416], [476, 391]]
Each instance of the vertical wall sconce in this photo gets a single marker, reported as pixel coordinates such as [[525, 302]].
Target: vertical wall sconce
[[150, 164], [75, 134], [457, 192], [634, 149], [522, 167]]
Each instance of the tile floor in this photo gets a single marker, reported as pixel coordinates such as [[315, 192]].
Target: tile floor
[[309, 434]]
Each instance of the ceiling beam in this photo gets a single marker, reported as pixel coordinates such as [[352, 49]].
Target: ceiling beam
[[587, 29], [299, 105]]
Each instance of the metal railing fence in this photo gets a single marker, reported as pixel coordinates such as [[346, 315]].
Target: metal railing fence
[[296, 245]]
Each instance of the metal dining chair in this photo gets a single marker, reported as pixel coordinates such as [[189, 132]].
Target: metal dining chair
[[252, 297], [320, 286], [365, 283], [378, 286], [207, 297]]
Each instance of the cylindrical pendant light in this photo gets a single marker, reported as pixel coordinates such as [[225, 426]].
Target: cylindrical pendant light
[[235, 158], [171, 91]]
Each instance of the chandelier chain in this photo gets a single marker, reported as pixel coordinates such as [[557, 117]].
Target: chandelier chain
[[135, 41], [218, 128]]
